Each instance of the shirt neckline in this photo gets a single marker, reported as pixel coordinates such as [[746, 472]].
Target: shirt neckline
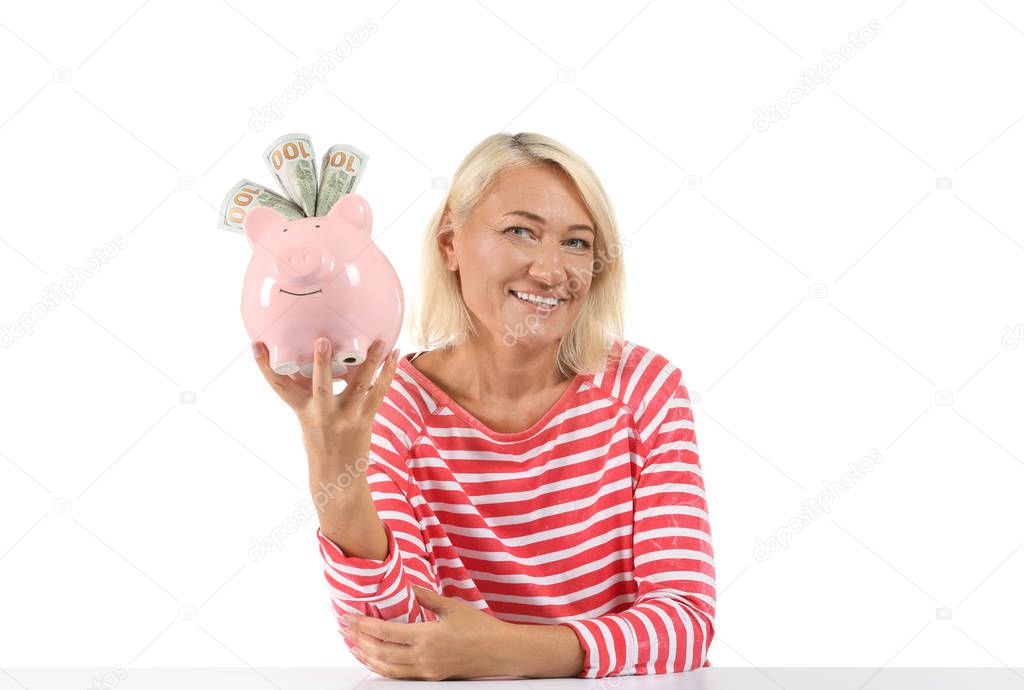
[[445, 401]]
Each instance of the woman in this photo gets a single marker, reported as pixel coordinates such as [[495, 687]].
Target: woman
[[524, 497]]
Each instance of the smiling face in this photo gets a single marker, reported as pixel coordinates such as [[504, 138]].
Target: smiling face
[[530, 236]]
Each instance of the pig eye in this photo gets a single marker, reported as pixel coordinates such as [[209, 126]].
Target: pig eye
[[285, 230], [316, 226]]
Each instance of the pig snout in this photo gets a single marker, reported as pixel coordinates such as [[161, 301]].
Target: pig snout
[[302, 265]]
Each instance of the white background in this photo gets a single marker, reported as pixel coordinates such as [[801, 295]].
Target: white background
[[823, 293]]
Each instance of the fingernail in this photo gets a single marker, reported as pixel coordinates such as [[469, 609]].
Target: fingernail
[[321, 345], [378, 346], [257, 350]]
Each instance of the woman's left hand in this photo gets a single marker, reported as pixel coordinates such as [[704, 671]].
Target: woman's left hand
[[463, 643]]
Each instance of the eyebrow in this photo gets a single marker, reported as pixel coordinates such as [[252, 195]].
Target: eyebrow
[[537, 219]]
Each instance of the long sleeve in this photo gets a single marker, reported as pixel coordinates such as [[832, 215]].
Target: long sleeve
[[670, 625], [383, 588]]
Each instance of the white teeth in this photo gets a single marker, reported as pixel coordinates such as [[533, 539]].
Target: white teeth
[[545, 301]]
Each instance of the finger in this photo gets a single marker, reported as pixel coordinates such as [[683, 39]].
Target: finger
[[350, 371], [323, 391], [283, 385], [363, 377], [388, 653], [383, 631], [383, 382], [406, 672], [306, 382], [303, 382]]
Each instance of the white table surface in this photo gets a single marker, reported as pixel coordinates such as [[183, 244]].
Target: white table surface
[[13, 678]]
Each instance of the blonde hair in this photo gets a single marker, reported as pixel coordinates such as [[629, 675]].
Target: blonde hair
[[442, 318]]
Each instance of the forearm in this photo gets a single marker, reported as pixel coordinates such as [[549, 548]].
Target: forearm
[[541, 651], [368, 578], [349, 518]]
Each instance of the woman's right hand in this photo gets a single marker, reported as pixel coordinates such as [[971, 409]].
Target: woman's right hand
[[335, 428]]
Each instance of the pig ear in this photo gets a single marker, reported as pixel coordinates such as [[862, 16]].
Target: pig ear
[[353, 209], [260, 222]]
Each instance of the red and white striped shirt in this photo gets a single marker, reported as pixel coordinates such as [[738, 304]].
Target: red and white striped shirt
[[595, 517]]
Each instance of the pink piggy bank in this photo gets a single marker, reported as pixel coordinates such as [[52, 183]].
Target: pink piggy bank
[[319, 276]]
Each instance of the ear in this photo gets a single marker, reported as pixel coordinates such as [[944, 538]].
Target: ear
[[354, 210], [446, 242], [259, 222]]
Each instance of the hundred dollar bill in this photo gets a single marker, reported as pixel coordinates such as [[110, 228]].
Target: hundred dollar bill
[[245, 195], [340, 170], [291, 161]]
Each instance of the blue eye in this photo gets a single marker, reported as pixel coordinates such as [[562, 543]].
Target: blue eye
[[584, 244]]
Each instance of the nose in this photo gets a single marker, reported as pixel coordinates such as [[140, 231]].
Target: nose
[[547, 266], [302, 264]]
